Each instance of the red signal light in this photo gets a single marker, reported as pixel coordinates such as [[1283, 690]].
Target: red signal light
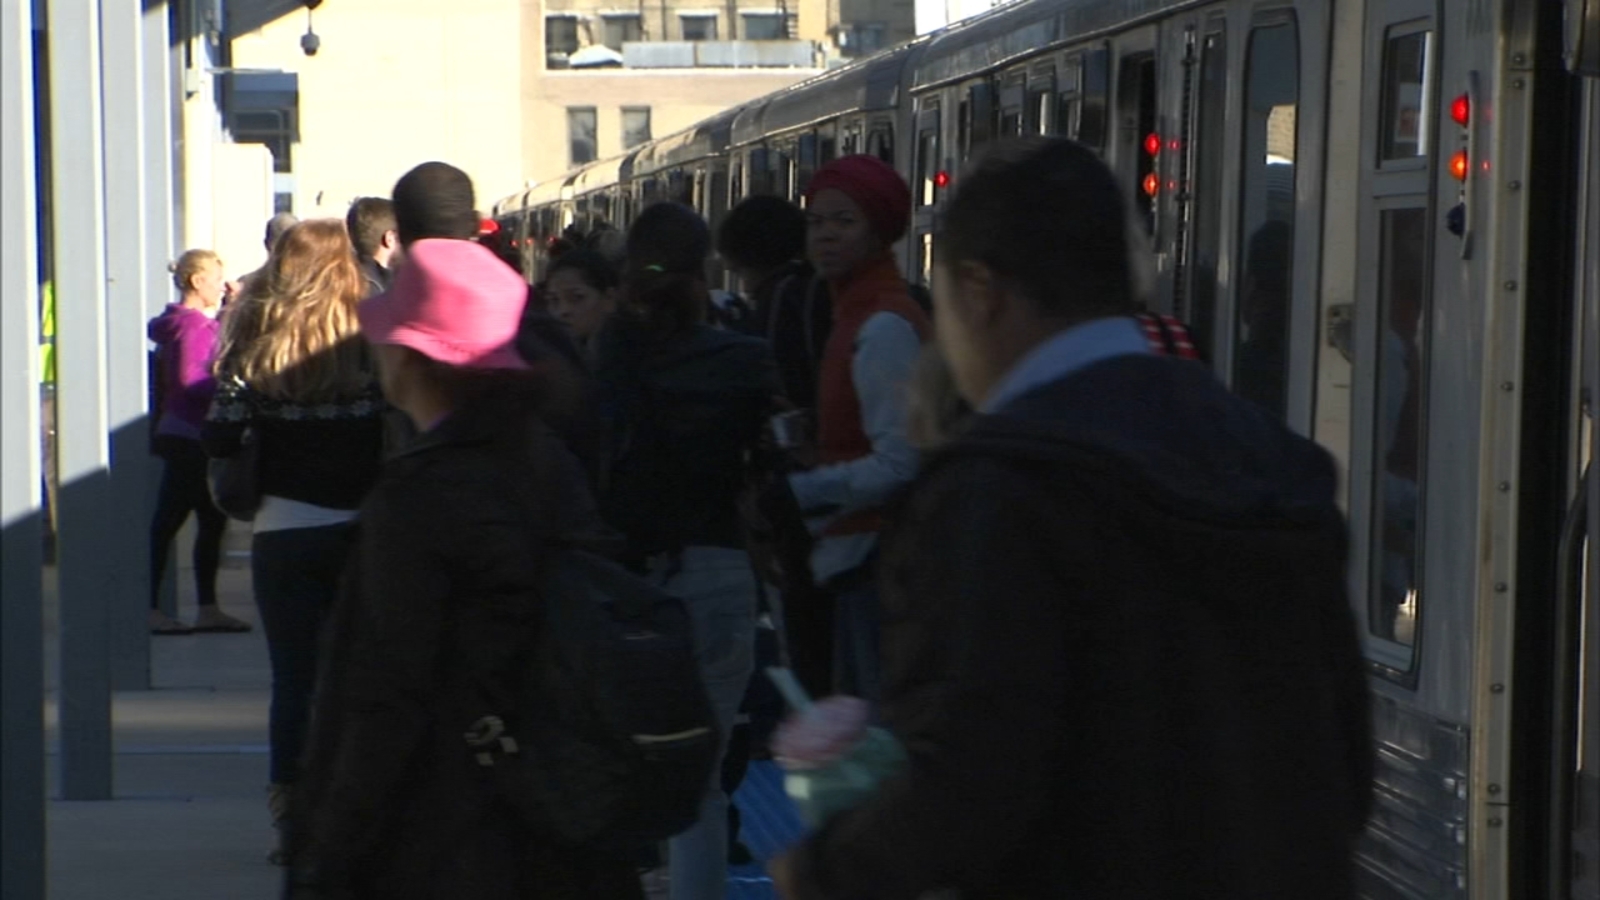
[[941, 180], [1461, 110], [488, 226], [1459, 166], [1152, 184], [1152, 143]]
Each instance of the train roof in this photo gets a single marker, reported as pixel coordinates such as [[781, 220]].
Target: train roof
[[604, 173], [869, 84], [702, 139], [1023, 27]]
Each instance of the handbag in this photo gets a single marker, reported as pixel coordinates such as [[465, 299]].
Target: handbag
[[235, 481]]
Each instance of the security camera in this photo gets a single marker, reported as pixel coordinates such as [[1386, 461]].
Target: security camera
[[310, 43]]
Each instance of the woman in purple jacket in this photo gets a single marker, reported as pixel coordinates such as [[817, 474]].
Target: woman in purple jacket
[[185, 335]]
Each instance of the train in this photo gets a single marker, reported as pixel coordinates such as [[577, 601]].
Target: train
[[1381, 220]]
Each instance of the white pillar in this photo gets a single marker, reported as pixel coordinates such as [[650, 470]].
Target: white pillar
[[88, 521], [22, 799], [123, 93]]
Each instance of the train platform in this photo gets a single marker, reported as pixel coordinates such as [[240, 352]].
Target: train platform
[[189, 818]]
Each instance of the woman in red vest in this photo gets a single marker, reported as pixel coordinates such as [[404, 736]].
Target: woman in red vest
[[857, 207]]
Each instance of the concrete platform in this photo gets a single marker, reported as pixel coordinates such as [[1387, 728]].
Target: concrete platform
[[189, 821]]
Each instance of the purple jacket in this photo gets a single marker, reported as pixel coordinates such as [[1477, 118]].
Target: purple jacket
[[186, 340]]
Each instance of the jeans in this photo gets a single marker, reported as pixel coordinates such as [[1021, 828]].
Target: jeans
[[295, 574], [185, 490], [719, 586], [858, 617]]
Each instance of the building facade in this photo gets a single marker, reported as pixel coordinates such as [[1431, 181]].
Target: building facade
[[513, 91]]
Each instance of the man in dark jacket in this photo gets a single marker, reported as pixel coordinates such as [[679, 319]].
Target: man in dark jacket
[[436, 200], [1118, 646], [377, 241], [763, 242]]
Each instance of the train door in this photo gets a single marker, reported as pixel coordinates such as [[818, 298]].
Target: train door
[[929, 178], [1412, 426]]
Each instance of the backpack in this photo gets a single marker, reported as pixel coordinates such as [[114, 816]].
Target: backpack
[[611, 737]]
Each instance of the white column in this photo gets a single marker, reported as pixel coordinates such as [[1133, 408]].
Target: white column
[[88, 522], [127, 394], [22, 799], [160, 58]]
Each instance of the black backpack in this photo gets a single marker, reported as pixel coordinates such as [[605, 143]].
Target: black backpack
[[612, 738]]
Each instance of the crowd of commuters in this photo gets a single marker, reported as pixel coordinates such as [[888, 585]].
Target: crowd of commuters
[[1098, 600]]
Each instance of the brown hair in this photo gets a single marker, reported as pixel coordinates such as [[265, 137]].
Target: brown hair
[[369, 219], [294, 335], [189, 265]]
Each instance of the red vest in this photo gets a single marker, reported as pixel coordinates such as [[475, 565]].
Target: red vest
[[876, 288]]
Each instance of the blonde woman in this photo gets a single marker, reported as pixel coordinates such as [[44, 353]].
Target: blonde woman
[[295, 372], [185, 335]]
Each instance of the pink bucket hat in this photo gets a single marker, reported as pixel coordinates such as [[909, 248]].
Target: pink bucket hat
[[455, 303]]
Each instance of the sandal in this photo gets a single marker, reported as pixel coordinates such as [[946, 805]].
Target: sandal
[[162, 624], [215, 621]]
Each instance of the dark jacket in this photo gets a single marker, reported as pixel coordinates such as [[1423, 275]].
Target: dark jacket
[[792, 310], [377, 277], [684, 410], [439, 606], [1119, 651]]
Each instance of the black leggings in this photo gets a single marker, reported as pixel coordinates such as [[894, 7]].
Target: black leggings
[[185, 490]]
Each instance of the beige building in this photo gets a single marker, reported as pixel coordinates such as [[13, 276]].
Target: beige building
[[513, 91]]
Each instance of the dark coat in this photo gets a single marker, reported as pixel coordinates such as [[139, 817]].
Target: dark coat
[[439, 606], [1119, 651]]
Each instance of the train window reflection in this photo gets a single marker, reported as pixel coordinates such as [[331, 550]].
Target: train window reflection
[[927, 166], [1272, 94], [1401, 363], [1406, 100], [1209, 141]]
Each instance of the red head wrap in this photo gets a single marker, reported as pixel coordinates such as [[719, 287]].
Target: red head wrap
[[875, 186]]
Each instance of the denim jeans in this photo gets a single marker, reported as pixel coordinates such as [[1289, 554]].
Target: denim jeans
[[857, 621], [719, 586], [295, 574]]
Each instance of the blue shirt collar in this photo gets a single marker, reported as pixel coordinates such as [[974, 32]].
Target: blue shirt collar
[[1075, 348]]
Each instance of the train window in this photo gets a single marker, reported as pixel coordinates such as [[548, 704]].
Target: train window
[[927, 165], [1406, 101], [1266, 237], [806, 160], [1401, 364], [1041, 86], [963, 130], [1096, 99], [880, 143], [1210, 124], [980, 129]]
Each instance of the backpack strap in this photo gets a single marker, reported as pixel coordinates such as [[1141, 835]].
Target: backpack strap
[[1167, 336]]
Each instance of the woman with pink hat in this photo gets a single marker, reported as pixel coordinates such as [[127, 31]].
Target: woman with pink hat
[[439, 605]]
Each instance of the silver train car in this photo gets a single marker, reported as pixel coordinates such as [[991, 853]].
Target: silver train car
[[1382, 220]]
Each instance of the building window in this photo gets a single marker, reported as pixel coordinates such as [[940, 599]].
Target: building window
[[698, 27], [635, 126], [560, 39], [581, 130], [621, 30], [765, 27]]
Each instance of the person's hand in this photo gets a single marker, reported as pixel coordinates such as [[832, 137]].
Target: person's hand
[[781, 871]]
